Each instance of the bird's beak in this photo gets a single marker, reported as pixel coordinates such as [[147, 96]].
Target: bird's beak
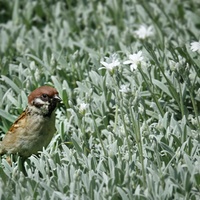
[[56, 98]]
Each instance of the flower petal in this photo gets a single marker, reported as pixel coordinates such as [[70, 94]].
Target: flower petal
[[127, 62]]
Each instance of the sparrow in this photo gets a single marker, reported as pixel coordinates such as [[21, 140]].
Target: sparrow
[[35, 127]]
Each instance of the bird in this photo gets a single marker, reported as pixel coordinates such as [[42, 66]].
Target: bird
[[35, 127]]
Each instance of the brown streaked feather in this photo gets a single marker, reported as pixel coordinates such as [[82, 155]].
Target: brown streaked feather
[[12, 134], [18, 123]]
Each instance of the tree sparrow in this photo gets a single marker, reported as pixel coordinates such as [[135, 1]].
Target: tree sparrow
[[35, 127]]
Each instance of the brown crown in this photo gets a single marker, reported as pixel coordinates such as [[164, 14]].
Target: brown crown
[[50, 91]]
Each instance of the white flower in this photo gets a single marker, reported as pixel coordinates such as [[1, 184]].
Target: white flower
[[195, 46], [124, 88], [110, 62], [82, 107], [144, 32], [135, 60]]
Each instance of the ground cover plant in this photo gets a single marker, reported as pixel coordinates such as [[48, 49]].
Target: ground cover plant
[[128, 74]]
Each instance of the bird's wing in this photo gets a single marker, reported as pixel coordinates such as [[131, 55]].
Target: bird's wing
[[20, 122]]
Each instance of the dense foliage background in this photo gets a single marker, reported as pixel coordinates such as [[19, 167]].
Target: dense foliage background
[[123, 131]]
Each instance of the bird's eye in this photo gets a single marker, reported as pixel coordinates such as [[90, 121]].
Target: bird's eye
[[44, 97]]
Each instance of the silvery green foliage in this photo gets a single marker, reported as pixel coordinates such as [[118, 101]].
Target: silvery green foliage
[[127, 133]]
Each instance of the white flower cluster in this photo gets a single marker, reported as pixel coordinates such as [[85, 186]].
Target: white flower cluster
[[134, 60]]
